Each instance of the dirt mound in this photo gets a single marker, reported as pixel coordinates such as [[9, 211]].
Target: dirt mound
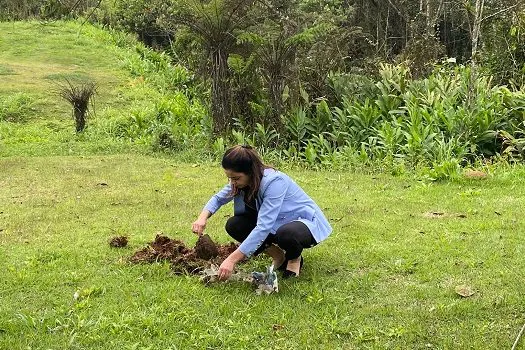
[[182, 258], [205, 248], [118, 241]]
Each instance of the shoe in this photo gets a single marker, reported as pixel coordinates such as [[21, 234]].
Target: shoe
[[288, 273]]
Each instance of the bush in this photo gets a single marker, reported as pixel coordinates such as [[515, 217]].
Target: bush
[[448, 119]]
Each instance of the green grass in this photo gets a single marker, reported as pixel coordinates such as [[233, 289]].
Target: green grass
[[35, 57], [385, 278]]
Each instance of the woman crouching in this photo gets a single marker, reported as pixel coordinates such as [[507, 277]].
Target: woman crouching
[[272, 214]]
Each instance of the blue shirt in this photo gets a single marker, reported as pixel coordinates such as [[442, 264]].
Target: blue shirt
[[279, 201]]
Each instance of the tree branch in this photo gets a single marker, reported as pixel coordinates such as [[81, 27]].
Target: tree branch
[[402, 15], [500, 11]]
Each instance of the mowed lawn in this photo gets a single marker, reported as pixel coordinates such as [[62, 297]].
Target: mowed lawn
[[35, 57], [388, 277]]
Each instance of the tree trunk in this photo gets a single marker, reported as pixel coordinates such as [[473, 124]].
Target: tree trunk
[[276, 93], [476, 30], [220, 100], [79, 114]]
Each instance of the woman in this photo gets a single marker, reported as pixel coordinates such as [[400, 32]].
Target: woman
[[271, 213]]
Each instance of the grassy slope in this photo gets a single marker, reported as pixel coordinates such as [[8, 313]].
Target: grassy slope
[[386, 278], [34, 58]]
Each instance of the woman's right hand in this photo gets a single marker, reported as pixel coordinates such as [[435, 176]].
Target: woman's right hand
[[198, 226]]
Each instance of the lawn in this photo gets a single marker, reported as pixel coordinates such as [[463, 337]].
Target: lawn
[[386, 278]]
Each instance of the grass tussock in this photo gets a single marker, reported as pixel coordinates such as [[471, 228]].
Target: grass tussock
[[79, 95]]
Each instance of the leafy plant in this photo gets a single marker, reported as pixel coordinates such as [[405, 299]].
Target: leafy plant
[[79, 95], [265, 137], [296, 126], [15, 107]]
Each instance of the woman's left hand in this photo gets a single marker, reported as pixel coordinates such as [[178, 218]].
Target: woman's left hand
[[226, 269]]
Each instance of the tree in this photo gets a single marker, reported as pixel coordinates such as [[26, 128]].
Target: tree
[[214, 23], [296, 44], [476, 29]]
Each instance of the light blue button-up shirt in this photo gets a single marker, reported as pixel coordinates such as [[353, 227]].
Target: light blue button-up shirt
[[279, 201]]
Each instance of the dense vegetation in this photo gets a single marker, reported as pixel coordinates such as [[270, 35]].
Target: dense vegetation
[[322, 83]]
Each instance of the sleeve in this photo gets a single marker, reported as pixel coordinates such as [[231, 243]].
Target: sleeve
[[219, 199], [272, 200]]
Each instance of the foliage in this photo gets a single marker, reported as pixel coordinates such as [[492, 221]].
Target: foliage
[[443, 121], [16, 107], [213, 23], [46, 9], [505, 57], [136, 16], [294, 45], [158, 71], [391, 121], [421, 54], [173, 118], [79, 95]]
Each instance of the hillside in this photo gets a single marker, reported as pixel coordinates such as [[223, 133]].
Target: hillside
[[35, 58]]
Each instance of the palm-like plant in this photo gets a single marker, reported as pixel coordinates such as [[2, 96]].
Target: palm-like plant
[[214, 23], [78, 95]]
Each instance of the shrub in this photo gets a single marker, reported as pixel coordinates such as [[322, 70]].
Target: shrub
[[78, 95]]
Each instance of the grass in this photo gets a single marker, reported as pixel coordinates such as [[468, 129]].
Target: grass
[[385, 278], [35, 55], [34, 58]]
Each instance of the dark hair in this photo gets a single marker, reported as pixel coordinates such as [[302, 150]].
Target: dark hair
[[244, 159]]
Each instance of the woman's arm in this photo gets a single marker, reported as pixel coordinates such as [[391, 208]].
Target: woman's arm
[[227, 266], [273, 198], [216, 201], [219, 199]]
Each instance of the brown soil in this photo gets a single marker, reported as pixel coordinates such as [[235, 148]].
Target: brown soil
[[206, 248], [475, 174], [184, 259], [118, 242]]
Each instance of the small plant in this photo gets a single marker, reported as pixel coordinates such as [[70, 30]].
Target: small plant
[[266, 137], [15, 108], [79, 96]]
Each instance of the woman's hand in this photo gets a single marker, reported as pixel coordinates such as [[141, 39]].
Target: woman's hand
[[226, 269], [198, 226]]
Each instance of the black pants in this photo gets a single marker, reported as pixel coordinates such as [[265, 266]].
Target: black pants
[[292, 237]]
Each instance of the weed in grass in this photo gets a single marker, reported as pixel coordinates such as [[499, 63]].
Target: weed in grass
[[16, 107]]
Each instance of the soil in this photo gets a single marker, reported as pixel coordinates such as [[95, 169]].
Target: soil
[[206, 248], [475, 174], [118, 241], [183, 259]]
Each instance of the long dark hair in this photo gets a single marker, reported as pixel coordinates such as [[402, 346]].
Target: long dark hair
[[244, 159]]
